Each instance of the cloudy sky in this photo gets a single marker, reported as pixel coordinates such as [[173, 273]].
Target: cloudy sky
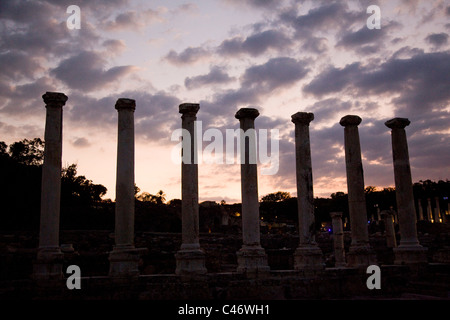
[[278, 56]]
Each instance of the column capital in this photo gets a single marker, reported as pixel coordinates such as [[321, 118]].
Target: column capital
[[54, 99], [249, 113], [335, 215], [125, 103], [397, 123], [350, 120], [189, 108], [302, 118]]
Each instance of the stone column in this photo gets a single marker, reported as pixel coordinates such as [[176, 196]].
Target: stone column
[[388, 217], [251, 257], [437, 211], [124, 258], [360, 254], [190, 258], [307, 255], [419, 203], [429, 211], [409, 250], [338, 239], [48, 264]]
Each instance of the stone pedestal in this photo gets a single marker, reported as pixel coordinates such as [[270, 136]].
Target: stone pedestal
[[360, 254], [308, 255], [338, 239], [48, 264], [409, 250], [124, 259], [251, 257], [190, 258]]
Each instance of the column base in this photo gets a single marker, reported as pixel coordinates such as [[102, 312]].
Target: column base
[[190, 261], [124, 261], [308, 257], [252, 259], [49, 264], [413, 254], [361, 257]]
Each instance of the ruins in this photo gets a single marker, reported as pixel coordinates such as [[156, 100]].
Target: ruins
[[253, 277]]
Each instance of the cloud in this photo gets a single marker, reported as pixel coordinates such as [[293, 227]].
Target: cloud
[[419, 83], [18, 66], [216, 75], [187, 56], [437, 39], [332, 79], [135, 19], [275, 73], [81, 143], [85, 71], [255, 44]]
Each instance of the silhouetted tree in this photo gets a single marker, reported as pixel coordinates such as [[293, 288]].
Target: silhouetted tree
[[28, 152], [276, 196]]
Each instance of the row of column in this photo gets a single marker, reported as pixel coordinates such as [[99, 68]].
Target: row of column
[[251, 258], [437, 217]]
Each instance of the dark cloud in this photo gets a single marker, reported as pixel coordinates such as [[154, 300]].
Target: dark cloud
[[437, 39], [257, 82], [332, 79], [187, 56], [85, 71], [133, 19], [275, 73], [255, 44], [327, 16], [81, 143], [216, 75], [418, 83], [18, 66], [361, 37], [260, 4]]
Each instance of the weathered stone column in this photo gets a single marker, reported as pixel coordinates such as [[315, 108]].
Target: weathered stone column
[[190, 258], [360, 254], [419, 203], [307, 255], [388, 217], [251, 257], [48, 264], [124, 258], [338, 239], [429, 211], [409, 250]]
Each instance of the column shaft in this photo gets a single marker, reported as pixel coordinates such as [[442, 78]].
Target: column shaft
[[338, 239], [251, 257], [49, 258], [124, 221], [409, 249], [388, 217], [360, 253], [190, 258], [308, 255], [124, 258]]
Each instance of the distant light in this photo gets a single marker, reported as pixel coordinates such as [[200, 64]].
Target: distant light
[[445, 198], [329, 230]]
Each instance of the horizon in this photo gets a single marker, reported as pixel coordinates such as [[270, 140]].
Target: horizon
[[280, 57]]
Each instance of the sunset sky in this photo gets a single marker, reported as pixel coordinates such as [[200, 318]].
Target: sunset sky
[[278, 56]]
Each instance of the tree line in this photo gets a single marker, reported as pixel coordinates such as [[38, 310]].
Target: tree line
[[82, 206]]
